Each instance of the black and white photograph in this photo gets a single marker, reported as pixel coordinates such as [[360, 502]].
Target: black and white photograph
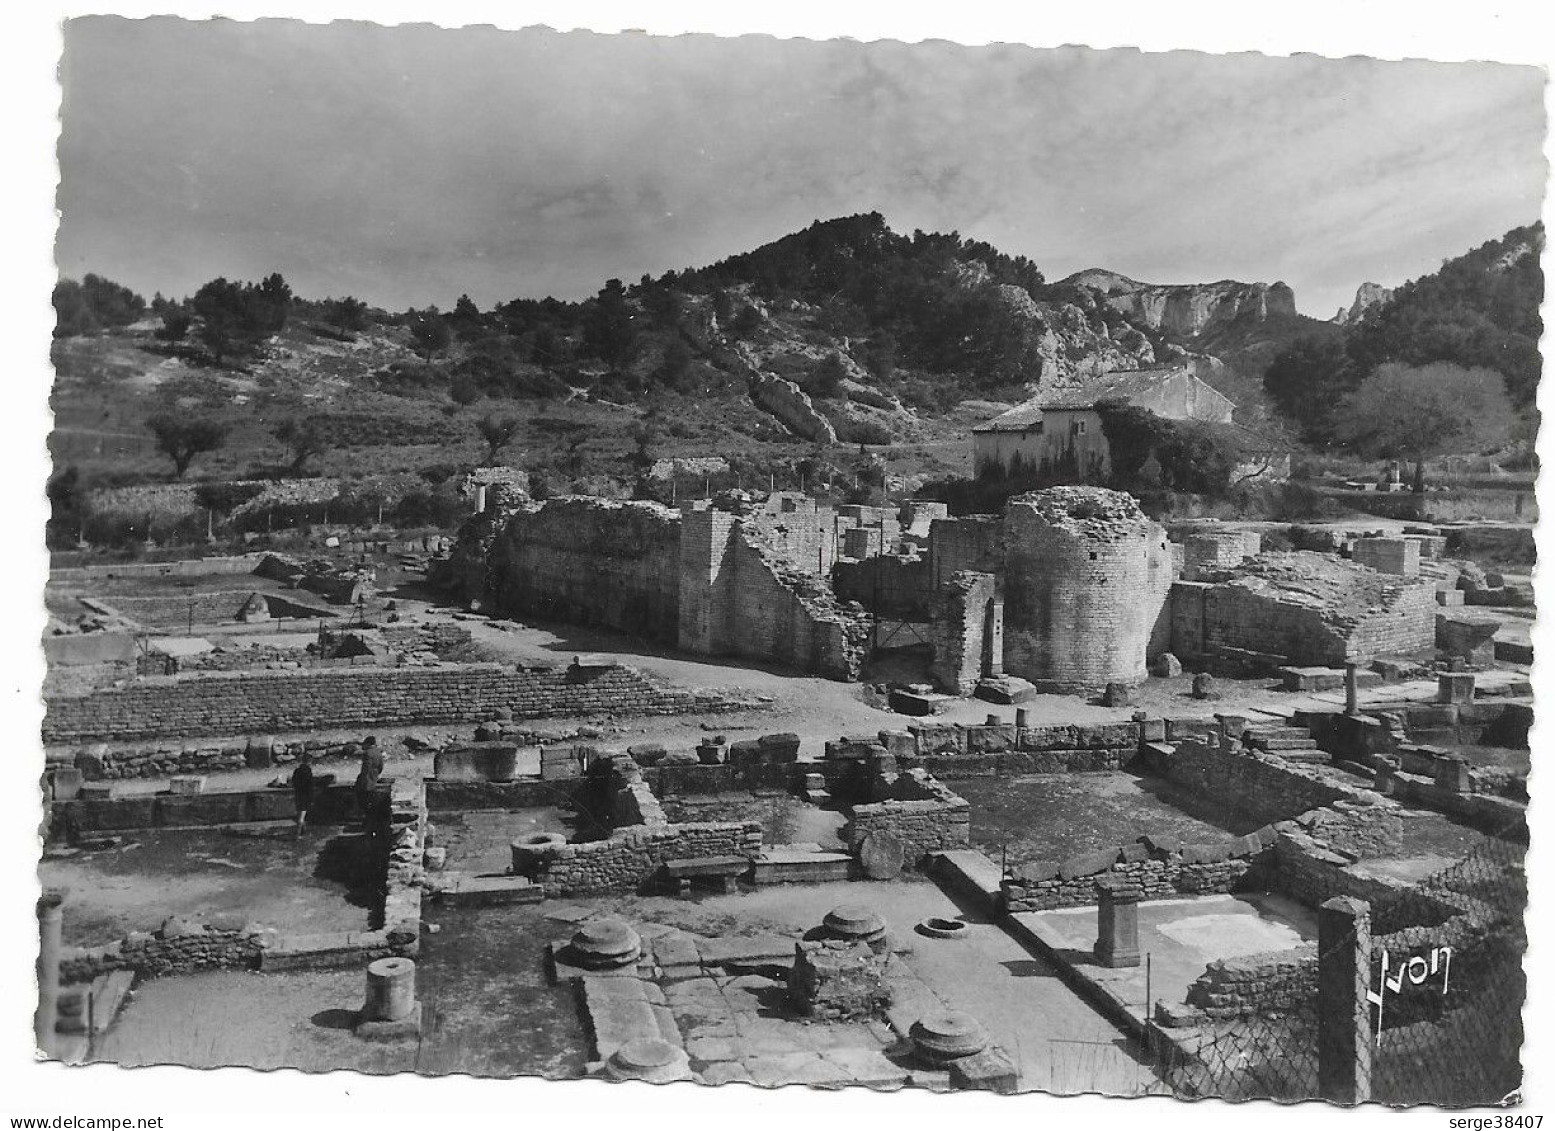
[[862, 566]]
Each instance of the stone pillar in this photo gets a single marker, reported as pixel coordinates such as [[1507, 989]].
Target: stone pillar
[[993, 650], [50, 920], [1455, 687], [391, 990], [1344, 1033], [1352, 701], [480, 498], [1452, 773], [1020, 716], [1232, 727], [1117, 924]]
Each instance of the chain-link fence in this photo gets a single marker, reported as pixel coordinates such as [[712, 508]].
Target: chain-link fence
[[1448, 985], [1439, 1020], [1263, 1056]]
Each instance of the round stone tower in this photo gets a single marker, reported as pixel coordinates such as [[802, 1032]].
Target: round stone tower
[[1086, 577]]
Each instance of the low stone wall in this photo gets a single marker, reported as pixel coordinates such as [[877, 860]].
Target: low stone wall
[[1156, 867], [1252, 786], [1275, 981], [332, 805], [1310, 872], [179, 946], [269, 701], [629, 859], [521, 793], [941, 739], [923, 814], [100, 762]]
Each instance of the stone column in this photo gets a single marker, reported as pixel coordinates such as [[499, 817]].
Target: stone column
[[1117, 924], [1344, 1032], [391, 990], [1352, 701], [1455, 687], [50, 920], [993, 650], [1452, 773]]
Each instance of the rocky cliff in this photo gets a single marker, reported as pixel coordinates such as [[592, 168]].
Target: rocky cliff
[[1369, 295], [1190, 310]]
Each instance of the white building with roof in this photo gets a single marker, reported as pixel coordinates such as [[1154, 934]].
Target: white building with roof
[[1062, 427]]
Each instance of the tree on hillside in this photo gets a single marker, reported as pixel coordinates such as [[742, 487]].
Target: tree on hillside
[[304, 438], [497, 432], [235, 318], [345, 313], [181, 437], [175, 325], [429, 330], [466, 317], [94, 303], [607, 327], [1308, 380], [1435, 410], [825, 380]]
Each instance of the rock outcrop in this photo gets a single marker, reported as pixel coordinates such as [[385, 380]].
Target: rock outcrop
[[1188, 310], [1367, 296]]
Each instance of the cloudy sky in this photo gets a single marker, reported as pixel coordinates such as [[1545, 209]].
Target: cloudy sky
[[407, 165]]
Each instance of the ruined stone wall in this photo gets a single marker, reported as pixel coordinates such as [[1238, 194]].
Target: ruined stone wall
[[1215, 550], [951, 751], [1155, 867], [739, 597], [174, 610], [896, 586], [179, 946], [583, 560], [923, 814], [1389, 555], [971, 542], [1275, 981], [959, 630], [100, 762], [629, 859], [1250, 786], [1307, 610], [1086, 577], [261, 702]]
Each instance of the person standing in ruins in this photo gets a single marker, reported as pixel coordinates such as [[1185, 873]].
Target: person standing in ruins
[[302, 790], [368, 780]]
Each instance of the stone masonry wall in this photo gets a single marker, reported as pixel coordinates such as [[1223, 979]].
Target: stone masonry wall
[[1344, 617], [628, 860], [951, 751], [1253, 786], [738, 596], [583, 560], [959, 626], [1157, 867], [923, 814], [1278, 981], [259, 702]]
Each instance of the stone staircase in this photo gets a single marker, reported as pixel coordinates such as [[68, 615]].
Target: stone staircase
[[1293, 743]]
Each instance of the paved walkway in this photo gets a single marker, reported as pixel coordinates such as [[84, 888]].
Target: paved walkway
[[1060, 1043]]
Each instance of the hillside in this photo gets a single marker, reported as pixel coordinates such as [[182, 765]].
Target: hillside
[[785, 362], [1480, 310]]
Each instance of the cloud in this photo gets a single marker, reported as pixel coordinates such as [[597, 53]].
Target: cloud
[[411, 164]]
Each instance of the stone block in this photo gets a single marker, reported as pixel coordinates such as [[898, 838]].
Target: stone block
[[1162, 844], [1449, 598], [1088, 864], [1037, 871], [990, 1070]]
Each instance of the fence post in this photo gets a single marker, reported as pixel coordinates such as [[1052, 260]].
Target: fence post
[[1344, 1037]]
